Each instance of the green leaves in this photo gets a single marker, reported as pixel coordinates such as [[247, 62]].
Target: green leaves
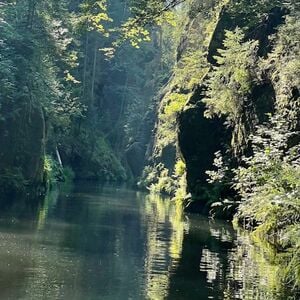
[[94, 15], [269, 183], [33, 59], [231, 81], [144, 16], [134, 33], [283, 67]]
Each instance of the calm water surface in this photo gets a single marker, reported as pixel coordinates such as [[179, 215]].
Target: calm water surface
[[113, 243]]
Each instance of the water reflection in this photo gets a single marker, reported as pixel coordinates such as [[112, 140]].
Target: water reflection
[[257, 268], [165, 234], [96, 242], [218, 262]]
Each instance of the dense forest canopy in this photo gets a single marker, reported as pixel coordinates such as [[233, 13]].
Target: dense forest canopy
[[199, 100]]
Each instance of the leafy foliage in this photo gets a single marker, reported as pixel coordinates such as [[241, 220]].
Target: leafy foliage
[[271, 176], [230, 84], [282, 65], [267, 179], [269, 186], [93, 16], [158, 180]]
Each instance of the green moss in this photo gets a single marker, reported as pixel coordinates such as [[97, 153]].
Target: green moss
[[175, 105]]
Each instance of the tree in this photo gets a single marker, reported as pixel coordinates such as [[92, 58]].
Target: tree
[[230, 84]]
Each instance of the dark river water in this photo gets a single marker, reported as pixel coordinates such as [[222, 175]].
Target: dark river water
[[96, 242]]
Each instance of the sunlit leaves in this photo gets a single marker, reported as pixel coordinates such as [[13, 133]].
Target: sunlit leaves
[[109, 52], [269, 181], [94, 16], [71, 78], [145, 15], [168, 17], [134, 33], [191, 68], [232, 79]]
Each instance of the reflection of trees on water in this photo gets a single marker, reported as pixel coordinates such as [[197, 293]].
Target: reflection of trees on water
[[122, 246], [202, 266], [220, 263], [165, 230], [79, 244], [258, 271]]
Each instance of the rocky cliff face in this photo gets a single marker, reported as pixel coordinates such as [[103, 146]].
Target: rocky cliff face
[[181, 126], [197, 137]]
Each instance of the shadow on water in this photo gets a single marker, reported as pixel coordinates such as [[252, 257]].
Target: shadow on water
[[98, 242]]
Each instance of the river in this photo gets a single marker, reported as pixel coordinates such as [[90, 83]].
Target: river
[[94, 242]]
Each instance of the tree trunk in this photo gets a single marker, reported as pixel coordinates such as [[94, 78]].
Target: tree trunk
[[85, 65], [94, 73]]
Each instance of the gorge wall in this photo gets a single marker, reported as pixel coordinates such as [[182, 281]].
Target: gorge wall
[[185, 130]]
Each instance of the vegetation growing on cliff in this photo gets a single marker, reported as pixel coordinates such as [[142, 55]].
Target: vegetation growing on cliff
[[248, 77], [233, 77], [54, 68], [267, 178]]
